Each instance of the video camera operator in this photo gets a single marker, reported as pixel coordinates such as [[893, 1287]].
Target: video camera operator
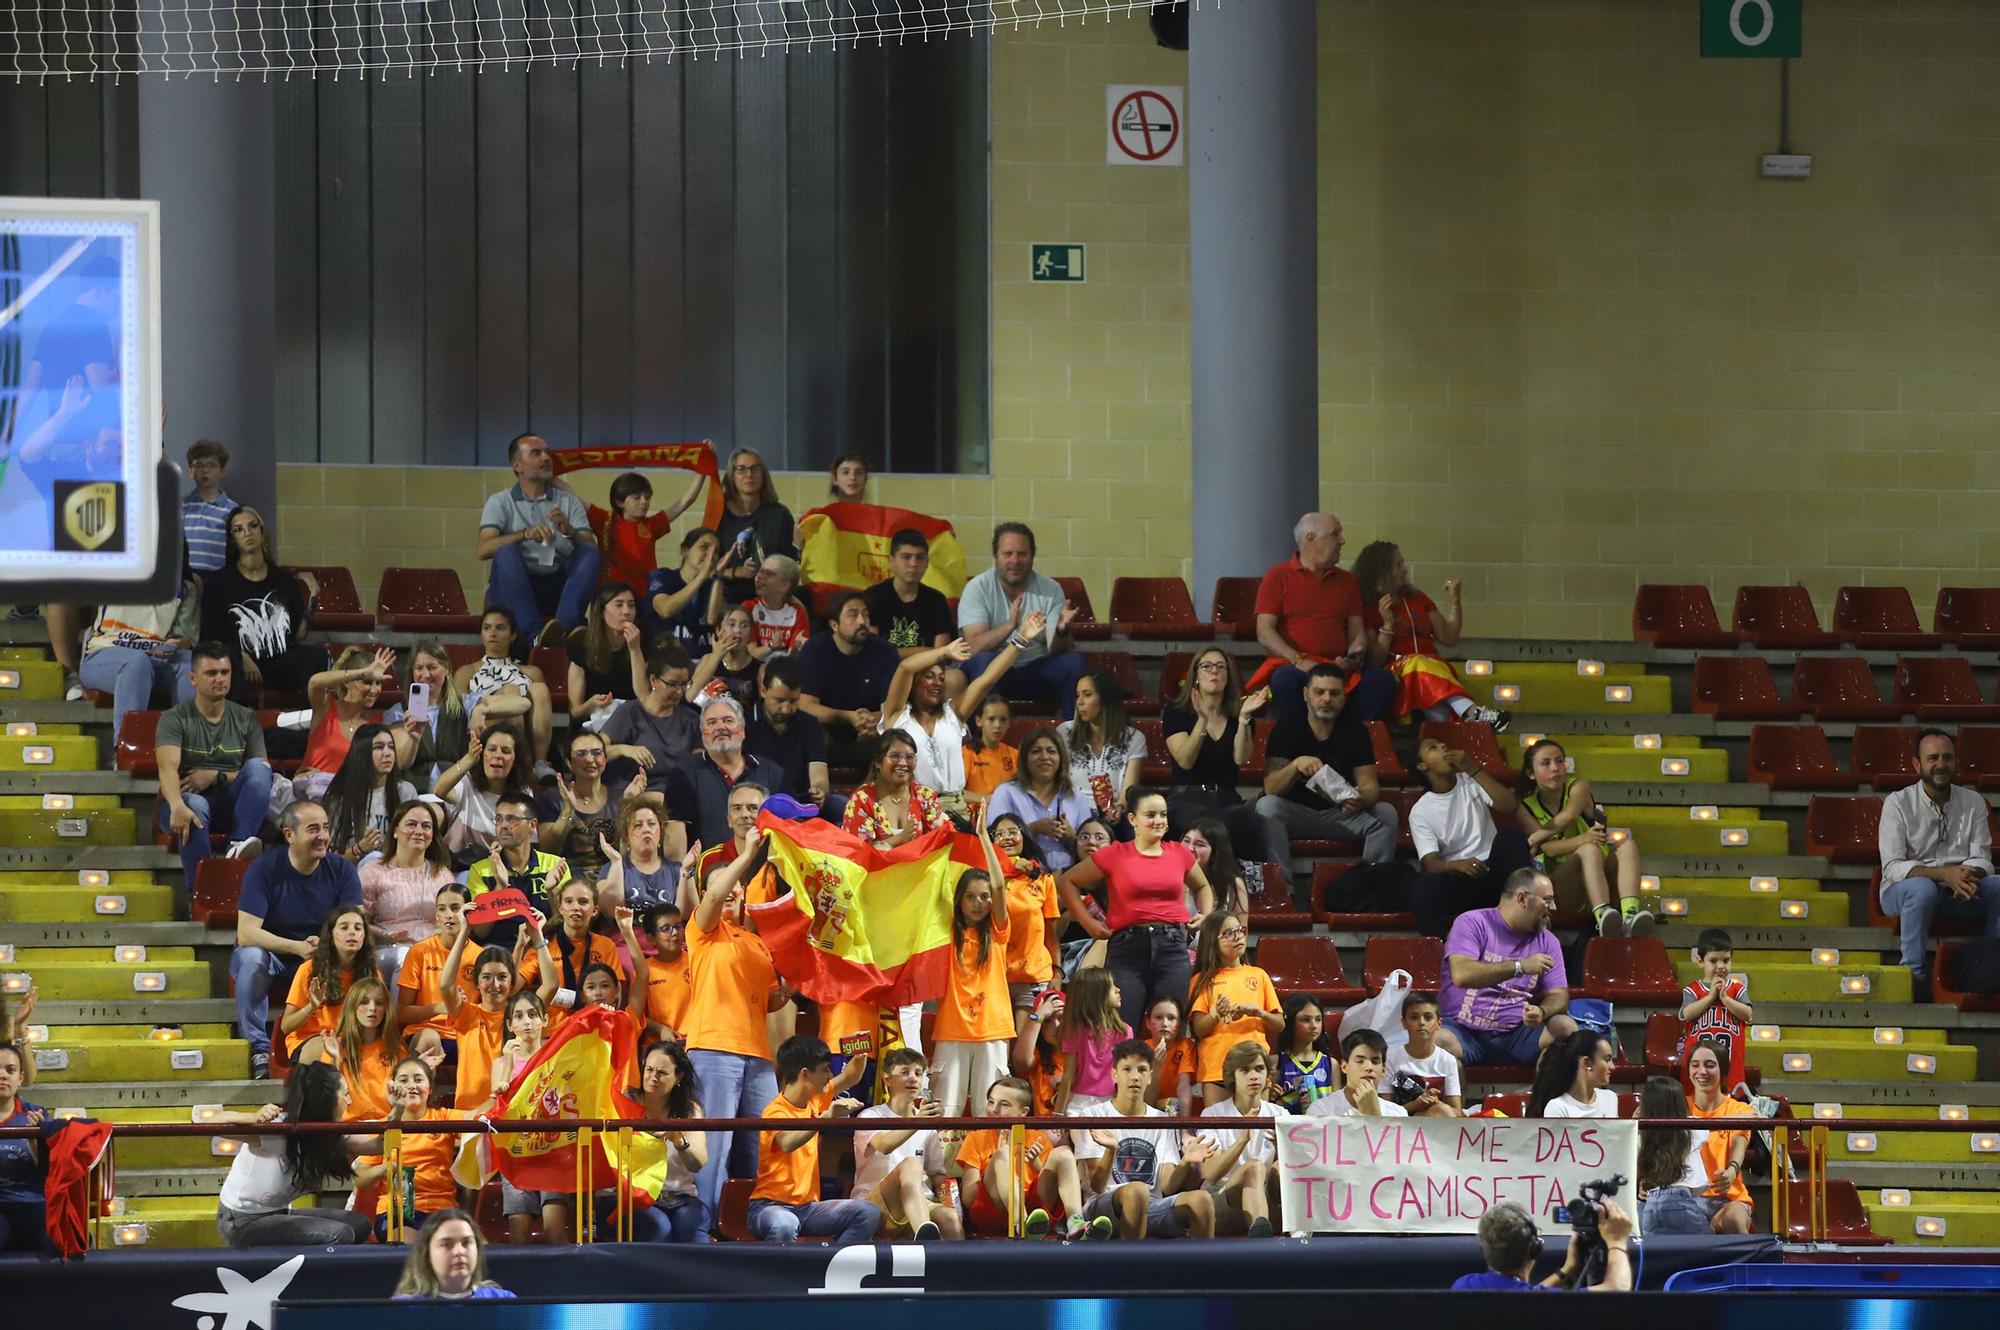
[[1511, 1244]]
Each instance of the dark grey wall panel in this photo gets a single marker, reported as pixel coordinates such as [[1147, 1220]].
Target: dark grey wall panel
[[786, 251]]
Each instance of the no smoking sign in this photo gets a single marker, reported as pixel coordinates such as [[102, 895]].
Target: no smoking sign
[[1144, 125]]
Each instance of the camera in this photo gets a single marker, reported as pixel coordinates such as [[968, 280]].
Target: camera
[[1580, 1212], [1403, 1088]]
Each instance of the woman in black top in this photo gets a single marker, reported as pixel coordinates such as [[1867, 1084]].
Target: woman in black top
[[754, 524], [253, 606], [607, 655], [1207, 729]]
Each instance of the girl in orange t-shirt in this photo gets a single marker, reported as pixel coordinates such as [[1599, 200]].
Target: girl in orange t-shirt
[[1173, 1054], [481, 1025], [990, 761], [975, 1018], [364, 1044], [1229, 1001], [1033, 907], [426, 1184], [1038, 1056], [1727, 1196], [577, 949], [344, 955]]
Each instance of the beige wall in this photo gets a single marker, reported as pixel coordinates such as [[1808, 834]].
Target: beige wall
[[1569, 341]]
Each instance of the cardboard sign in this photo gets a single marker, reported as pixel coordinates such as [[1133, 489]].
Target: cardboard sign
[[1440, 1175], [491, 907]]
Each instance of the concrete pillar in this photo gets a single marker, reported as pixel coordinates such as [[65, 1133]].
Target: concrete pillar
[[1253, 219]]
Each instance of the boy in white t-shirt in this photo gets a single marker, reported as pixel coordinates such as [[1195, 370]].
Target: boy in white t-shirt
[[1364, 1057], [1421, 1057], [1136, 1175], [1462, 857], [1242, 1173], [893, 1169]]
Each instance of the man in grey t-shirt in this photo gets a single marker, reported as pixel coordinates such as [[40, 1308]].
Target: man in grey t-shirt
[[545, 558], [213, 772], [990, 610]]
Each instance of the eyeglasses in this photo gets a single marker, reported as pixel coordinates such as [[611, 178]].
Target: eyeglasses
[[1213, 667], [509, 819], [1231, 933], [744, 469], [672, 685]]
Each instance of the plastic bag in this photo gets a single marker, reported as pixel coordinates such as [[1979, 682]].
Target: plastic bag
[[1382, 1013]]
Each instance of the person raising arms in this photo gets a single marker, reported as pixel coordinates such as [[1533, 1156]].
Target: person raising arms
[[919, 704], [255, 1206]]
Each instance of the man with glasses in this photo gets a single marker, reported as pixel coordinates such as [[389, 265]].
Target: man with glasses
[[698, 788], [1505, 989], [662, 729], [534, 873]]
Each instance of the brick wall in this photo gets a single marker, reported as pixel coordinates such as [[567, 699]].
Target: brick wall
[[1569, 341]]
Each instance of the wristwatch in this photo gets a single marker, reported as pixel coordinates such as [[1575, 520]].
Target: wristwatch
[[1519, 969]]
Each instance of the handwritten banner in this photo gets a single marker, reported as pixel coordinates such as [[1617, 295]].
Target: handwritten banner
[[1439, 1175]]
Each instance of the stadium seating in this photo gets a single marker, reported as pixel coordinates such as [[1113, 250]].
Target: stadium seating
[[1633, 970], [1085, 627], [1843, 829], [1234, 610], [1155, 609], [1678, 616], [1979, 757], [1271, 907], [216, 886], [1794, 757], [1938, 688], [1880, 618], [1421, 957], [1664, 1033], [1738, 688], [1946, 983], [1389, 768], [1881, 755], [1780, 617], [423, 600], [1969, 617], [1475, 741], [1173, 674], [1839, 688], [1325, 874], [1119, 666], [339, 608], [1306, 963]]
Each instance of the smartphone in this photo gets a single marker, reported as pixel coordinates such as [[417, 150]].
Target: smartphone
[[419, 704]]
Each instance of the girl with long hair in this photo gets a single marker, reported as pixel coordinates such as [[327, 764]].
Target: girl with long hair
[[575, 946], [399, 887], [14, 1030], [1726, 1196], [447, 724], [1037, 1055], [667, 1092], [1214, 852], [502, 687], [527, 1030], [260, 610], [1174, 1054], [1230, 1002], [363, 1045], [495, 764], [1306, 1068], [1042, 796], [1104, 748], [1567, 830], [676, 603], [890, 808], [990, 761], [975, 1021], [1672, 1175], [582, 810], [268, 1173], [362, 792], [341, 699], [917, 705], [481, 1025], [1573, 1078], [607, 655], [427, 1156], [24, 1215], [1405, 629], [1033, 909], [345, 955], [1092, 1027], [729, 660]]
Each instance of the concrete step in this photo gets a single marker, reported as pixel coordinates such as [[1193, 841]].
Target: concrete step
[[22, 654], [161, 1221], [56, 752], [1872, 1174], [1831, 1055], [1730, 901], [70, 1035], [1804, 982], [1670, 830], [80, 979], [40, 802], [141, 1012], [31, 680], [28, 958], [67, 861], [1524, 689], [135, 791], [183, 1181], [158, 1094], [112, 931], [177, 1154], [119, 1061], [1941, 1219], [21, 827], [29, 906]]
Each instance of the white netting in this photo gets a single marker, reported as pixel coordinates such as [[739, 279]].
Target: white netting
[[44, 39]]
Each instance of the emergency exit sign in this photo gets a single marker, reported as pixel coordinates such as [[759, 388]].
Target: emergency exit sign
[[1055, 263], [1752, 29]]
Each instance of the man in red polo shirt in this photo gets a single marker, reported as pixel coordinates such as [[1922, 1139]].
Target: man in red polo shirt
[[1309, 610]]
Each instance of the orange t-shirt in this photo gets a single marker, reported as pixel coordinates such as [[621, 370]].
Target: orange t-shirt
[[730, 978], [791, 1178], [980, 1147], [431, 1154], [975, 1007], [1045, 1081], [1715, 1150], [1180, 1058], [324, 1020], [367, 1087], [419, 984], [667, 992], [987, 769], [759, 890], [850, 1028], [594, 947], [1031, 903], [481, 1036], [1246, 986]]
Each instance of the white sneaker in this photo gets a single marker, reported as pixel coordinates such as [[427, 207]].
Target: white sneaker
[[72, 687], [1479, 715], [250, 847]]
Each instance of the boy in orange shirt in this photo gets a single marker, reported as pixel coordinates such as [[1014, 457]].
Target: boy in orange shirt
[[785, 1203], [666, 973], [1052, 1176]]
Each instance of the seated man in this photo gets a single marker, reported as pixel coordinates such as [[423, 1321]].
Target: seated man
[[1937, 854], [545, 558], [785, 1203], [1141, 1176], [286, 898], [990, 611], [1309, 609], [1504, 984], [1324, 733], [697, 788], [781, 732], [1509, 1243], [1460, 853], [846, 673], [213, 772]]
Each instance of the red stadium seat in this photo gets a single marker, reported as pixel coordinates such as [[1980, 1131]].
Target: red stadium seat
[[553, 662], [1271, 907], [423, 600], [1305, 963], [1979, 757], [1880, 618], [1252, 772], [1508, 1103], [733, 1222], [1157, 767], [1323, 878], [1234, 611], [1119, 666], [1677, 616], [339, 608], [1794, 757], [132, 749], [1780, 616], [1941, 688], [1085, 627], [1422, 957], [217, 884], [1945, 982], [1389, 768], [1881, 755], [1839, 688], [1846, 1221], [1663, 1042], [1475, 741], [1969, 616], [1635, 970], [462, 654], [1843, 829], [1155, 609], [1173, 673], [1738, 688]]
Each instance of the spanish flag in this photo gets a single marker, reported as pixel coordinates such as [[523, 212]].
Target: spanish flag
[[854, 924], [847, 545]]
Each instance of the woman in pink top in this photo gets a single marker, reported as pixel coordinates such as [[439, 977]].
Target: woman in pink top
[[1149, 880], [399, 890]]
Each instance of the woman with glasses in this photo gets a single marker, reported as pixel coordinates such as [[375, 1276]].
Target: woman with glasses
[[1208, 734], [754, 524], [259, 609], [660, 728]]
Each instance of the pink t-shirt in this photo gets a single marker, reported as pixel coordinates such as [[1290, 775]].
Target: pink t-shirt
[[1145, 889], [1093, 1058]]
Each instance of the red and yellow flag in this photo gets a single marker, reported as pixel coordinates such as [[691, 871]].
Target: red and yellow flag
[[855, 924], [696, 457], [847, 545]]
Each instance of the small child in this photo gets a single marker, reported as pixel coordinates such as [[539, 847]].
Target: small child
[[1139, 1176], [785, 1203], [626, 532], [779, 620], [1306, 1071], [205, 511], [1422, 1057], [1716, 1007], [990, 761], [666, 972], [1051, 1177], [1364, 1056], [893, 1169], [1092, 1029], [1174, 1053]]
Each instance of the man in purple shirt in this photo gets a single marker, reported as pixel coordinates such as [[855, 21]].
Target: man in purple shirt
[[1504, 984]]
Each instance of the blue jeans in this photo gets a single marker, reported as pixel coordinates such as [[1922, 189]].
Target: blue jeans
[[1673, 1210], [1369, 699], [683, 1223], [731, 1086], [1518, 1047], [1044, 679], [1147, 960], [256, 972], [235, 805], [535, 598], [846, 1222], [132, 677], [1918, 900]]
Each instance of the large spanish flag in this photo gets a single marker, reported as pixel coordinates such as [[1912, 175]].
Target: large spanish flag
[[854, 924], [847, 545]]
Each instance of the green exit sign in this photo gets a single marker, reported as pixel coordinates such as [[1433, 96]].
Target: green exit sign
[[1055, 263], [1753, 29]]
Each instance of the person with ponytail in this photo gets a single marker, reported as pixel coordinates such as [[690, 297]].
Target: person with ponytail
[[1573, 1078], [481, 1025], [975, 1021]]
